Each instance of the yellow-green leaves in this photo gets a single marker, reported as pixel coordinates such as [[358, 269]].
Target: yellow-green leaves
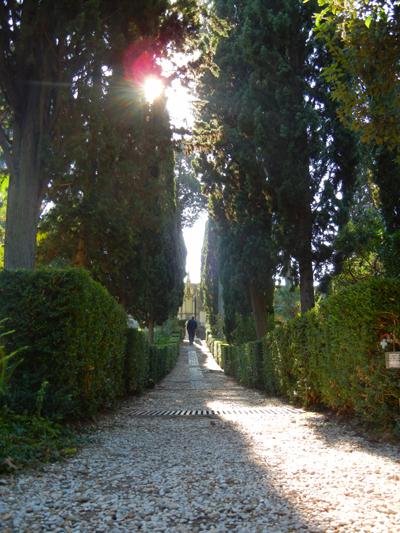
[[364, 45]]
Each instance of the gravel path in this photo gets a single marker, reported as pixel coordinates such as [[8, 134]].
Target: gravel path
[[262, 466]]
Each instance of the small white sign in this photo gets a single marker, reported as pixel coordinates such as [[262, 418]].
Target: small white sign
[[392, 359]]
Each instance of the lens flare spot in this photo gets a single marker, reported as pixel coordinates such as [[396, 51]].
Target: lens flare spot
[[153, 87]]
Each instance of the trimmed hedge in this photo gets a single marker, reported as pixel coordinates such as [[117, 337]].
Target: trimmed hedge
[[348, 362], [137, 362], [244, 362], [147, 364], [162, 360], [80, 357], [75, 337], [330, 356]]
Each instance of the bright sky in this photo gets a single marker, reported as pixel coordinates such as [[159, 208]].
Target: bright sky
[[181, 112], [194, 243]]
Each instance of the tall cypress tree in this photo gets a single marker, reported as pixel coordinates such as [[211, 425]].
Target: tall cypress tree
[[235, 180], [44, 47], [275, 41], [115, 213], [209, 275]]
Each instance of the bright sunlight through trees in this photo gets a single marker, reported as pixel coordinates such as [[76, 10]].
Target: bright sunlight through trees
[[153, 87]]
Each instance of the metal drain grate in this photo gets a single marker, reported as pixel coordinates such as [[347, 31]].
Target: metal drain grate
[[215, 412]]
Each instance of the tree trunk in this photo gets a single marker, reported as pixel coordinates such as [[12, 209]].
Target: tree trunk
[[150, 327], [304, 257], [269, 298], [262, 307], [26, 184], [307, 300], [80, 255], [24, 198]]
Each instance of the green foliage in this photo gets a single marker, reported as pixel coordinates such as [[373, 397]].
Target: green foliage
[[368, 249], [330, 356], [191, 201], [75, 334], [244, 362], [162, 359], [352, 322], [8, 361], [286, 356], [83, 45], [245, 329], [234, 178], [136, 361], [171, 328], [390, 253], [28, 440], [251, 364], [79, 356], [286, 303], [126, 230], [145, 363], [363, 40], [270, 137]]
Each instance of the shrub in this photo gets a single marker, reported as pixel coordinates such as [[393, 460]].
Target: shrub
[[244, 362], [231, 361], [330, 355], [269, 378], [137, 361], [75, 337], [8, 362], [350, 366], [147, 363], [250, 363], [287, 351], [163, 356]]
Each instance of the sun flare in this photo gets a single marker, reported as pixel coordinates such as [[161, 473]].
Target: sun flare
[[153, 88]]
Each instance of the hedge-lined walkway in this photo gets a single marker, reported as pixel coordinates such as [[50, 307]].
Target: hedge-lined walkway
[[260, 466]]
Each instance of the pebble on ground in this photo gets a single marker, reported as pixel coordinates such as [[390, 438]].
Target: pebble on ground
[[255, 465]]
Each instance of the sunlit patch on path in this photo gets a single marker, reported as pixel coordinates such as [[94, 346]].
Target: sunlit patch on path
[[201, 453]]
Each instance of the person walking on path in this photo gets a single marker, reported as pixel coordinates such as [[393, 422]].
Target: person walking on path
[[191, 327]]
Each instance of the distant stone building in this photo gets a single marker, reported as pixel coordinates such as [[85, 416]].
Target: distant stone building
[[192, 304]]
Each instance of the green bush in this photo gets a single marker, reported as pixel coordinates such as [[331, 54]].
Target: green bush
[[137, 362], [286, 356], [269, 378], [250, 364], [78, 357], [162, 360], [350, 363], [146, 364], [75, 337], [329, 356], [244, 362]]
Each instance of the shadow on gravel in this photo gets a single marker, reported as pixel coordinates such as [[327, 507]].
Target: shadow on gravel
[[334, 431], [223, 481], [186, 474], [239, 493], [223, 475], [337, 432]]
